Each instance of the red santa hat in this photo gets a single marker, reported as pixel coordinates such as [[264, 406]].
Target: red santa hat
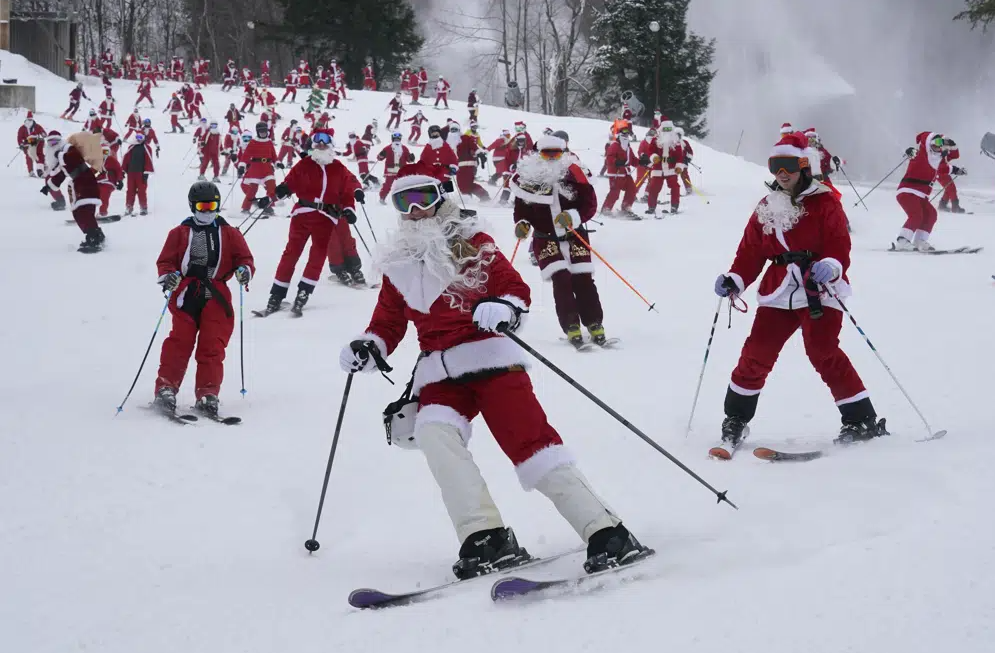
[[794, 144], [811, 133], [519, 126], [30, 116], [418, 174], [786, 128]]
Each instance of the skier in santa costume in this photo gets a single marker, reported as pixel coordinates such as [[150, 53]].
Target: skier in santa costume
[[326, 195], [949, 202], [553, 196], [68, 159], [438, 152], [74, 100], [210, 150], [110, 179], [448, 277], [31, 140], [137, 166], [394, 156], [442, 92], [255, 168], [199, 257], [618, 158], [914, 191], [801, 227]]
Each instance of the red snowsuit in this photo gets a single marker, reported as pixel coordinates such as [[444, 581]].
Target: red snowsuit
[[194, 104], [108, 180], [290, 86], [915, 187], [943, 176], [84, 195], [393, 156], [137, 166], [250, 97], [618, 159], [361, 151], [145, 92], [257, 159], [466, 152], [667, 168], [396, 108], [74, 100], [208, 321], [500, 147], [442, 92], [439, 155], [175, 109], [416, 121], [234, 118], [288, 145], [423, 81], [32, 143], [210, 150], [321, 192]]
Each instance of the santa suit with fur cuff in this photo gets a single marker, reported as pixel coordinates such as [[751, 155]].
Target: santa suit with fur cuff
[[31, 140], [207, 256], [466, 371], [257, 159], [543, 190], [618, 158], [466, 152], [915, 188], [394, 156], [438, 153], [66, 161], [108, 180], [946, 180], [813, 231], [324, 188]]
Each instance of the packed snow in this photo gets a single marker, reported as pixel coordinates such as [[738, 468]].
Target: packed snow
[[129, 533]]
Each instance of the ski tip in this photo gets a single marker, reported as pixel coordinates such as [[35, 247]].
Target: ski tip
[[719, 453], [512, 586], [937, 435], [764, 453]]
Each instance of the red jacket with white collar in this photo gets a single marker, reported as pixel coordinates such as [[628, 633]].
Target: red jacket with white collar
[[330, 184]]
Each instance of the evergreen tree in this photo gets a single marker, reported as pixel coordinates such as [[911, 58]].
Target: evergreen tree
[[626, 60], [383, 32], [978, 12]]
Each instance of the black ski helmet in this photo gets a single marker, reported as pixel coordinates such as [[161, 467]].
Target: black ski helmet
[[262, 129], [434, 129], [203, 191], [562, 134]]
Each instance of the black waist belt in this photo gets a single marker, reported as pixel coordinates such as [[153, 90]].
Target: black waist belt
[[544, 236], [911, 180], [255, 160], [801, 257], [77, 171], [331, 209]]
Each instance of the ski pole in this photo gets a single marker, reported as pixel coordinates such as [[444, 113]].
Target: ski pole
[[460, 193], [241, 337], [225, 201], [860, 200], [254, 220], [708, 348], [942, 190], [832, 293], [602, 258], [146, 356], [14, 157], [363, 240], [515, 252], [312, 544], [368, 223], [900, 164], [721, 496]]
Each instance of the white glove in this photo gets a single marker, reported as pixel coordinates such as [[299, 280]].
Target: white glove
[[490, 314], [355, 357]]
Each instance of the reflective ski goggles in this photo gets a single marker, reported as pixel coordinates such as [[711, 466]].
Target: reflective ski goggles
[[206, 207], [937, 143], [53, 140], [420, 197], [788, 164], [551, 155], [321, 138]]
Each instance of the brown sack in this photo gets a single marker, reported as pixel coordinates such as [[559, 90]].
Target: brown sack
[[89, 146]]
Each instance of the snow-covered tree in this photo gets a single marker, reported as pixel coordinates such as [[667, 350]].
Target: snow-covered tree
[[625, 60]]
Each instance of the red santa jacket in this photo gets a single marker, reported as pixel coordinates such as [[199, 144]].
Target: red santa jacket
[[91, 122], [147, 167], [943, 170], [921, 172], [418, 120], [674, 161], [175, 106], [618, 159], [395, 105], [150, 136], [106, 108], [442, 329], [133, 122], [112, 172], [210, 144], [394, 157], [69, 164], [258, 157], [500, 148], [817, 225], [319, 187], [442, 155], [233, 252], [359, 149], [33, 136], [367, 73], [467, 149], [290, 81]]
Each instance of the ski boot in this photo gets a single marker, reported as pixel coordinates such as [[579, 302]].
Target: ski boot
[[207, 405], [59, 204], [358, 278], [93, 242], [216, 180], [574, 336], [903, 244], [613, 547], [487, 551], [943, 206], [651, 212], [129, 210], [862, 431], [268, 212], [924, 246], [343, 277], [299, 302], [956, 208], [674, 208], [734, 432], [275, 303], [143, 212], [165, 401], [597, 332], [201, 178]]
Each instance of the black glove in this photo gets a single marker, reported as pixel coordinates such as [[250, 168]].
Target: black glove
[[45, 190], [671, 160], [360, 196], [911, 152], [263, 202], [644, 160], [619, 163], [281, 165], [145, 177], [411, 157], [119, 184], [349, 215], [958, 171], [157, 151], [241, 171], [170, 281], [24, 146], [837, 163], [949, 142], [243, 275]]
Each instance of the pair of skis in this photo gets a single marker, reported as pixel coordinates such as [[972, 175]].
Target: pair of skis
[[725, 451], [190, 418], [937, 252], [506, 587], [590, 345]]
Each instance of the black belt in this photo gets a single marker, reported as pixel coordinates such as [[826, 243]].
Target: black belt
[[255, 160], [910, 180], [331, 209], [544, 236], [801, 257], [78, 170]]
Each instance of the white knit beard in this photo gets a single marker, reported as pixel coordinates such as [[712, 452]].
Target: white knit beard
[[322, 156], [666, 140], [777, 212], [436, 143], [427, 241], [547, 172]]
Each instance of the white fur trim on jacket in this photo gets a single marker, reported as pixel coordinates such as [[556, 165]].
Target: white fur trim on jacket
[[380, 343], [739, 281], [791, 293], [541, 463], [520, 304], [257, 182], [492, 353], [444, 415]]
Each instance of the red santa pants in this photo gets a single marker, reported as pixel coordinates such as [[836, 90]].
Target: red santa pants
[[289, 91], [617, 186], [950, 189], [286, 152], [307, 225], [332, 101], [576, 299], [136, 186], [213, 160], [388, 181], [395, 119], [174, 121], [27, 159], [771, 329], [210, 331], [653, 189], [144, 95], [342, 92], [250, 103], [85, 216], [250, 193], [71, 111], [342, 248], [675, 189], [465, 182], [414, 94], [193, 110], [415, 134], [444, 97], [686, 178], [521, 433], [922, 214], [105, 196], [369, 84]]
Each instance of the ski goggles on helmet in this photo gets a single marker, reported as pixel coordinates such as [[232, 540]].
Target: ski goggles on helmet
[[551, 155], [206, 207], [788, 164], [321, 138], [420, 197], [937, 143]]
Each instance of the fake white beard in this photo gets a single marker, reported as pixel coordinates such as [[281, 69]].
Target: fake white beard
[[322, 156], [52, 156], [666, 140], [777, 212], [427, 241], [436, 143], [536, 170]]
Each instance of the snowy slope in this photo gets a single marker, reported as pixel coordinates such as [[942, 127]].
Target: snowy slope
[[129, 534]]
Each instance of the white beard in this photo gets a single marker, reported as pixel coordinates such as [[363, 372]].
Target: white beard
[[322, 156], [776, 212], [436, 143], [52, 157], [665, 141], [543, 172]]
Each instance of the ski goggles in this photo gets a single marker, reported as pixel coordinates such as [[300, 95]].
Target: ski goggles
[[937, 143], [321, 138], [139, 137], [206, 207], [788, 164], [420, 197], [551, 155], [53, 140]]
